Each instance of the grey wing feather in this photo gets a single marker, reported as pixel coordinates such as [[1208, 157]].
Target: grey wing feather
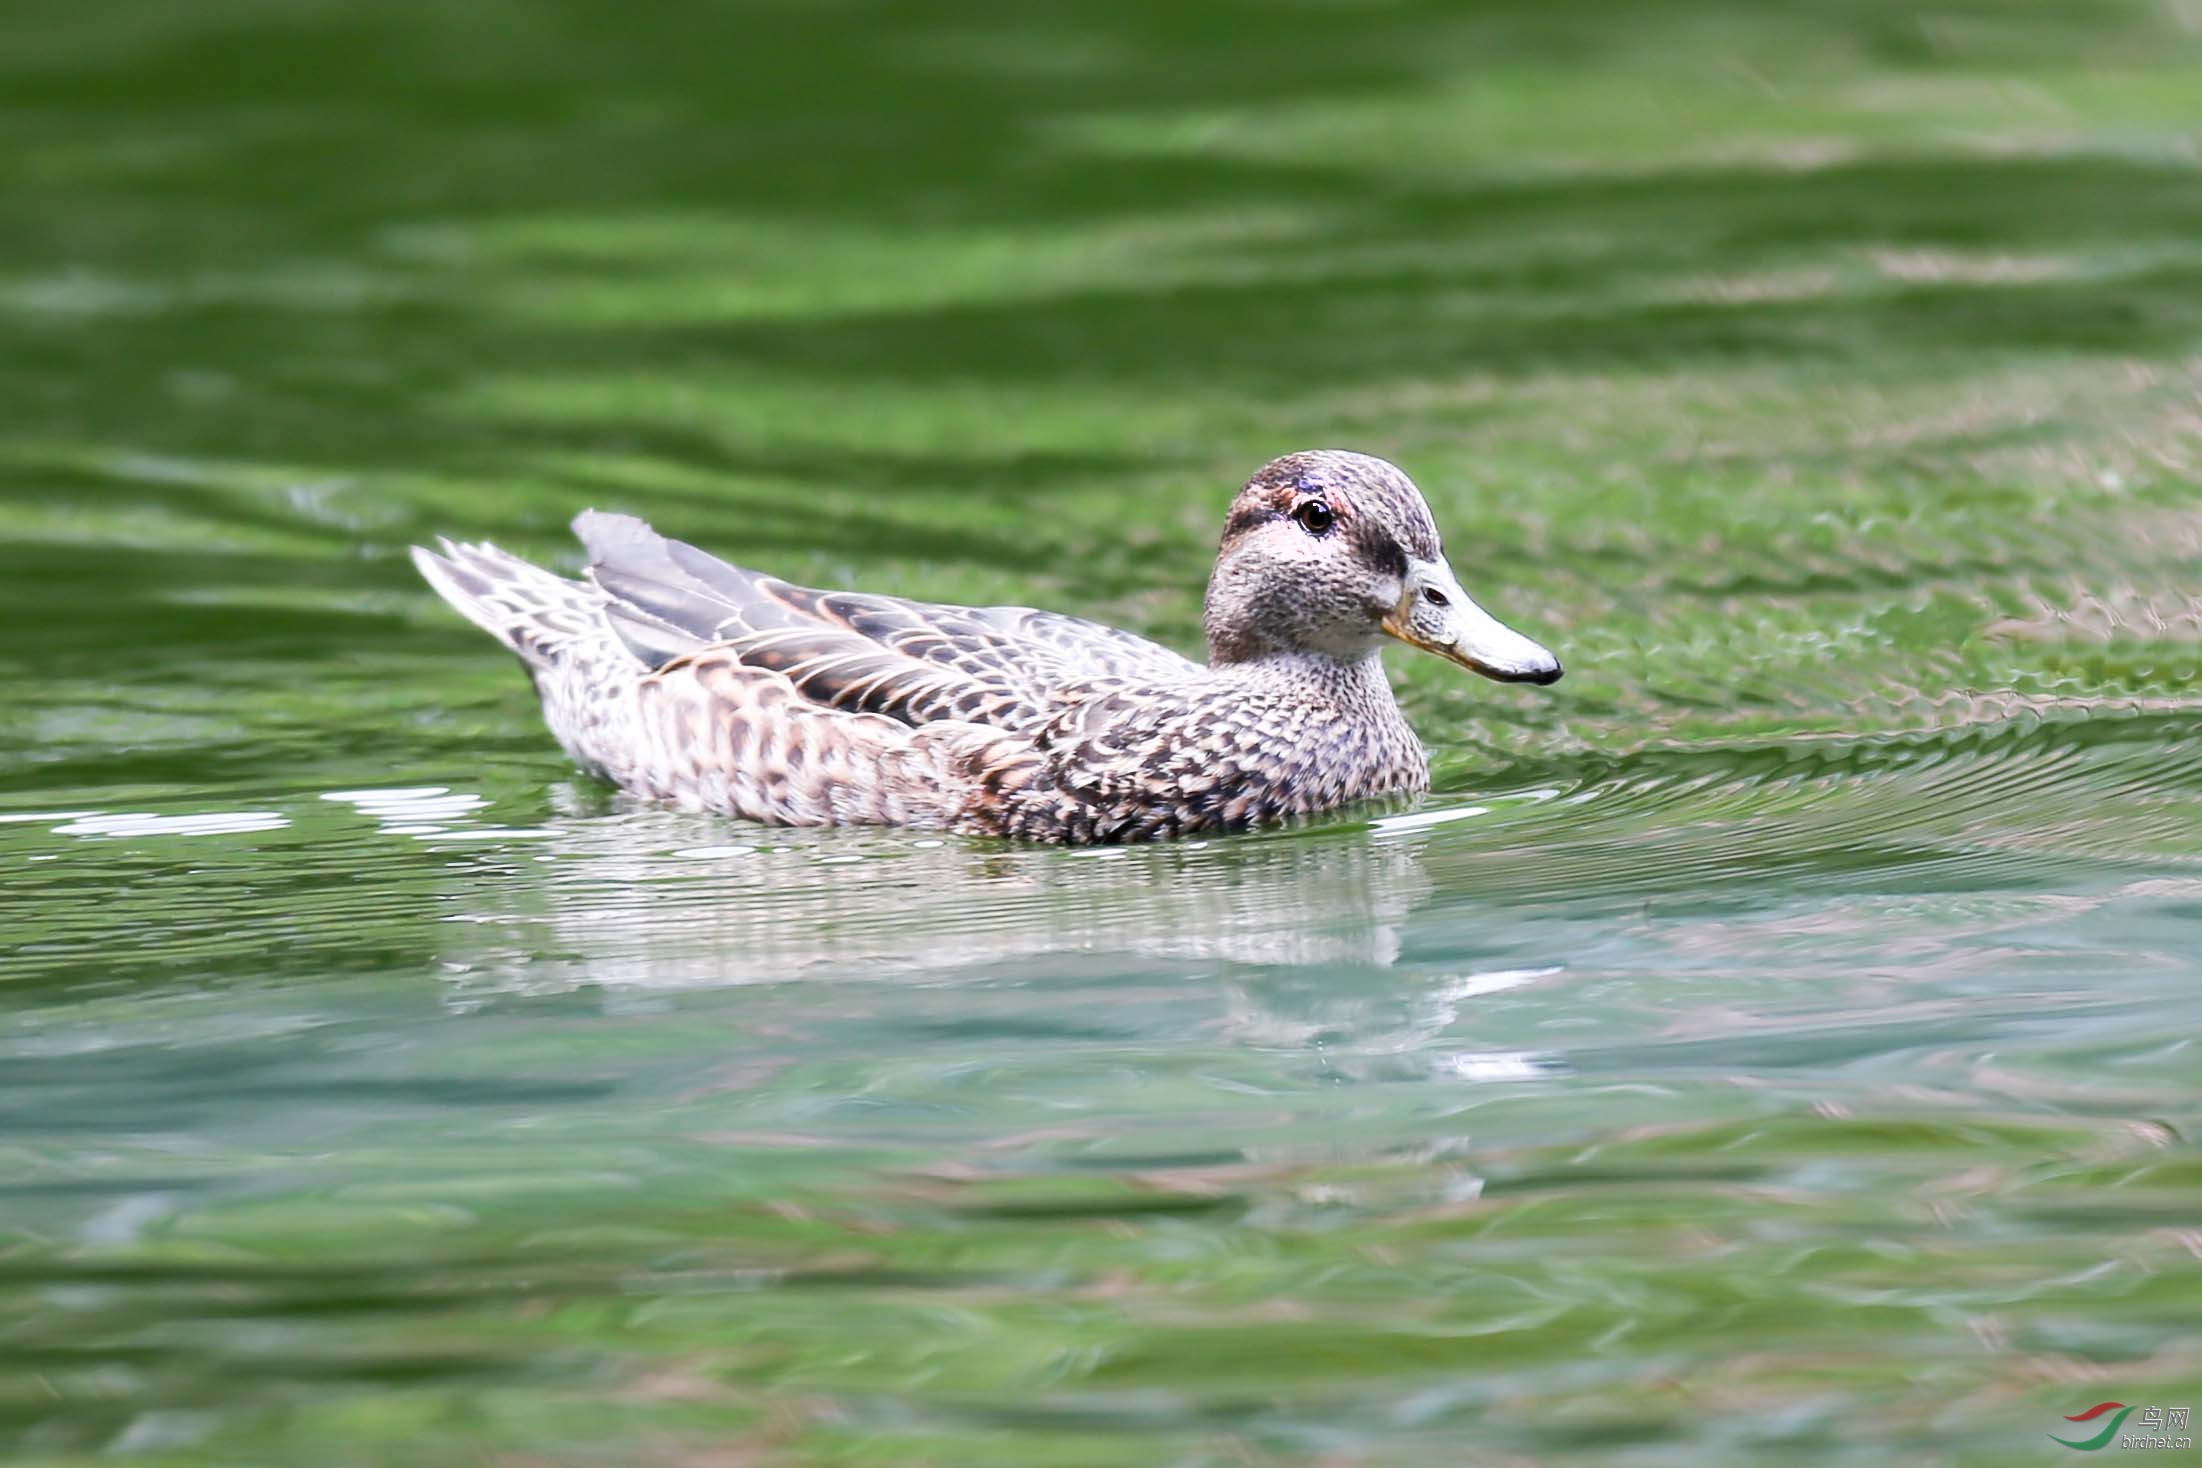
[[915, 662]]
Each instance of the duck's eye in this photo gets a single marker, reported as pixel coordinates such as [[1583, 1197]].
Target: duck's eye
[[1435, 597], [1315, 517]]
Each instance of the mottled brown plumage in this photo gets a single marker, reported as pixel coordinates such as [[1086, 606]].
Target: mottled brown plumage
[[682, 678]]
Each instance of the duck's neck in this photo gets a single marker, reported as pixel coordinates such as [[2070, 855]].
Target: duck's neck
[[1354, 683], [1338, 734]]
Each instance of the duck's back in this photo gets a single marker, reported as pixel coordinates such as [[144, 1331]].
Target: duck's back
[[683, 678]]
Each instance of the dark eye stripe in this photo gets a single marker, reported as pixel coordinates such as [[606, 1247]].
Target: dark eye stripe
[[1246, 519]]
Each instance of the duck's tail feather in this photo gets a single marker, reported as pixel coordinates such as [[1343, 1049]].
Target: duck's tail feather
[[542, 617], [582, 671]]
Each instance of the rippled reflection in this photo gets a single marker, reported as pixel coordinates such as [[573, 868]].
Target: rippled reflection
[[655, 899]]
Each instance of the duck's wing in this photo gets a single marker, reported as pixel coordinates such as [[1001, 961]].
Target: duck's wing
[[1065, 647], [915, 662]]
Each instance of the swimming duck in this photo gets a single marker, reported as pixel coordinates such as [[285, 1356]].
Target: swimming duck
[[681, 678]]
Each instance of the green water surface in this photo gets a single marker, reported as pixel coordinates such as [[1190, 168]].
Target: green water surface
[[1774, 1043]]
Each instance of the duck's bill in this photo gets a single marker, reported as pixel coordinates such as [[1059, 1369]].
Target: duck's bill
[[1459, 631]]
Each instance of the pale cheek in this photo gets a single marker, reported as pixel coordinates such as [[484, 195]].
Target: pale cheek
[[1347, 594], [1300, 590], [1346, 604]]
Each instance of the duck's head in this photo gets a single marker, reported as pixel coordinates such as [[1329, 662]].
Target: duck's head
[[1328, 552]]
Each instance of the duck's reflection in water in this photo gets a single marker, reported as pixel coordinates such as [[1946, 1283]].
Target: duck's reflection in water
[[652, 898], [1349, 952]]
